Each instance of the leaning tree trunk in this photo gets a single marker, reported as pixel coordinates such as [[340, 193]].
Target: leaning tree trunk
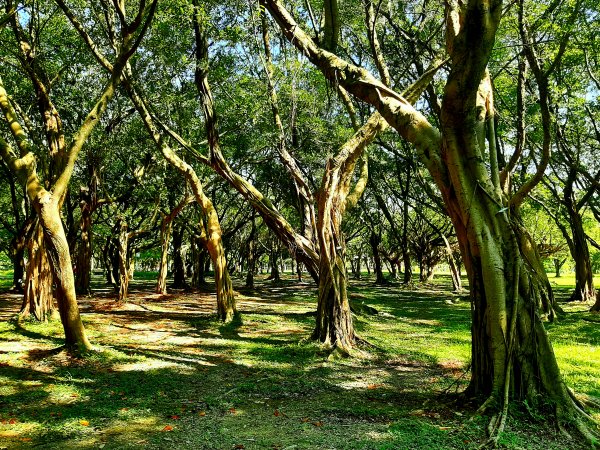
[[38, 298], [57, 249]]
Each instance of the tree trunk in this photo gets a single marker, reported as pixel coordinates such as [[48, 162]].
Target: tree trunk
[[374, 241], [334, 320], [59, 259], [251, 255], [584, 276], [84, 253], [18, 245], [178, 266], [512, 358], [226, 308], [165, 236], [38, 298], [558, 264], [273, 263], [123, 261], [200, 257]]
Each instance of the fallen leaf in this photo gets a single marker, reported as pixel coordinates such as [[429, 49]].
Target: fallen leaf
[[84, 423], [175, 417], [168, 428], [276, 413], [75, 395], [373, 386], [445, 428], [232, 411], [124, 409], [26, 439], [12, 421], [305, 419], [318, 424], [202, 413]]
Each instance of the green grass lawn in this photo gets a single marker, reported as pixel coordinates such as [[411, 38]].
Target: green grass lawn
[[167, 375]]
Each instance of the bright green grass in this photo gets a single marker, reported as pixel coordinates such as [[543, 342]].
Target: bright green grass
[[259, 382], [5, 279]]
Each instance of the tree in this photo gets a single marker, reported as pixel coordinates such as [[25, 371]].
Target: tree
[[47, 202], [507, 285]]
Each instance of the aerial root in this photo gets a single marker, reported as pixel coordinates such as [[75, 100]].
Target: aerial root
[[578, 420]]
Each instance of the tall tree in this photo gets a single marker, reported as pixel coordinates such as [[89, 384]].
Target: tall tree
[[507, 284]]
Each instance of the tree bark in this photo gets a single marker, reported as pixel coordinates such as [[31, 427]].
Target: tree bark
[[123, 243], [511, 354], [178, 266], [84, 254], [374, 241], [584, 276], [165, 237], [38, 298]]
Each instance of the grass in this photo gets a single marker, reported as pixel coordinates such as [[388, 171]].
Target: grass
[[167, 375]]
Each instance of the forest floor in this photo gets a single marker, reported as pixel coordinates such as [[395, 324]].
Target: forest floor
[[167, 375]]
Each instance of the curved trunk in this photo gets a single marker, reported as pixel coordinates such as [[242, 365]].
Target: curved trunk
[[38, 298]]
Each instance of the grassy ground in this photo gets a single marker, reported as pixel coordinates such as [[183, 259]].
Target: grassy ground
[[168, 375]]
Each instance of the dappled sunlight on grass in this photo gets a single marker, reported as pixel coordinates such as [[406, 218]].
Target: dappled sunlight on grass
[[167, 374]]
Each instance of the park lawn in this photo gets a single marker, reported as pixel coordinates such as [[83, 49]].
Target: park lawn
[[167, 375]]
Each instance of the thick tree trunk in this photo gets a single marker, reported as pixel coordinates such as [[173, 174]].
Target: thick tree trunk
[[38, 298], [334, 320], [57, 249]]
